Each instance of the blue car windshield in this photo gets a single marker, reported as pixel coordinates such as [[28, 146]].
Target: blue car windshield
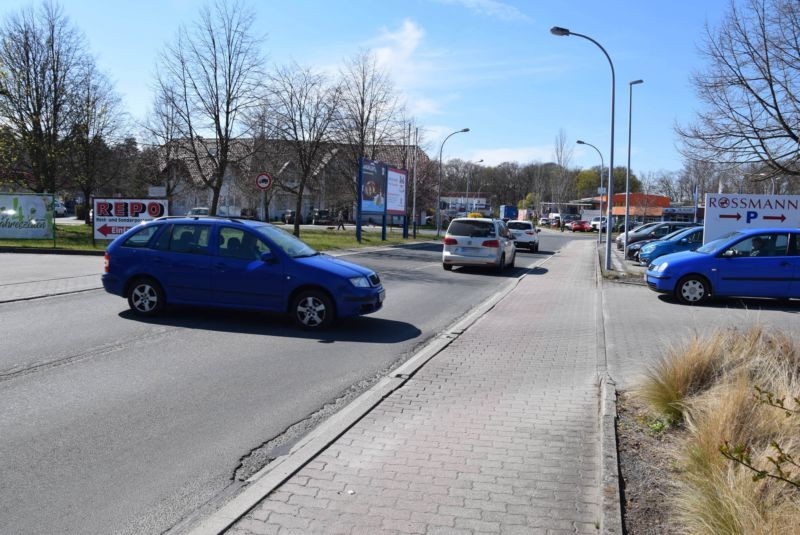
[[713, 245], [288, 243]]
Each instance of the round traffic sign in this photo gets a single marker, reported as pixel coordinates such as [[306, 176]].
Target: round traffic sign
[[264, 181]]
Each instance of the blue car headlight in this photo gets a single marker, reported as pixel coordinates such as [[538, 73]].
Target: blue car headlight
[[359, 282], [648, 249], [662, 267]]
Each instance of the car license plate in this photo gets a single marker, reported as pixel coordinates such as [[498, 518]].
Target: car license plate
[[645, 278], [381, 296]]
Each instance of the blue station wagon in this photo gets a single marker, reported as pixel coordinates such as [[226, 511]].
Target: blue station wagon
[[748, 263], [232, 263], [682, 240]]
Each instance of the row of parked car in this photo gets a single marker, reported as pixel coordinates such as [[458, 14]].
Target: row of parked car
[[661, 231], [745, 263]]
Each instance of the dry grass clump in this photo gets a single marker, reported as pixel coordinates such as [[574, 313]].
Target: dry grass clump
[[710, 385]]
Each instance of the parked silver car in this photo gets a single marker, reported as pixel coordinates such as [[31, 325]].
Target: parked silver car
[[478, 242]]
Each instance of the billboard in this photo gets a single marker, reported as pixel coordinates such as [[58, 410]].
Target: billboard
[[396, 181], [113, 217], [726, 212], [373, 187], [26, 216]]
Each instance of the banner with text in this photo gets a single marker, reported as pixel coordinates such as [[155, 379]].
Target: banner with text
[[726, 212], [396, 191], [26, 216], [113, 217]]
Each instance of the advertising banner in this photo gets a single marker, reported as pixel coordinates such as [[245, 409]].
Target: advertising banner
[[396, 191], [373, 187], [113, 217], [730, 211], [26, 216]]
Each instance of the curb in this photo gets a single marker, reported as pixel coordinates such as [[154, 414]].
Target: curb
[[44, 250], [611, 513], [260, 484], [610, 495]]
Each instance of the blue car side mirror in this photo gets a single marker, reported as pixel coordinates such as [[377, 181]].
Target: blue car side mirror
[[268, 258]]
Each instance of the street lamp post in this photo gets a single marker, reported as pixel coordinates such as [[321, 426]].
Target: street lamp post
[[439, 185], [602, 166], [556, 30], [469, 175], [628, 169]]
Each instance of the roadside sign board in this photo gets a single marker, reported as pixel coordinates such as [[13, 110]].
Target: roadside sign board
[[26, 216], [726, 212], [113, 217], [396, 191], [264, 181], [373, 187]]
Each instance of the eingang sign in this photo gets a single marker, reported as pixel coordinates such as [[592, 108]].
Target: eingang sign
[[26, 216], [726, 212]]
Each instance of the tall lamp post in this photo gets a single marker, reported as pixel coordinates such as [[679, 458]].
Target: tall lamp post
[[602, 166], [556, 30], [439, 185], [628, 169], [469, 175]]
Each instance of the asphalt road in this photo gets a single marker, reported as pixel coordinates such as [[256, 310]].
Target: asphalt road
[[112, 424]]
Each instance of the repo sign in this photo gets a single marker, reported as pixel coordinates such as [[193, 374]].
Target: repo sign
[[113, 217]]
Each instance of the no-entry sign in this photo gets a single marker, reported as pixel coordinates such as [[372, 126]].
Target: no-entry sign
[[264, 181]]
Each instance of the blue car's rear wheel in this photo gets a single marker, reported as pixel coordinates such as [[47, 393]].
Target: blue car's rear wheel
[[693, 290], [312, 310], [146, 297]]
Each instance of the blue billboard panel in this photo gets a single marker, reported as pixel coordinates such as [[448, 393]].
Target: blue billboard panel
[[373, 187]]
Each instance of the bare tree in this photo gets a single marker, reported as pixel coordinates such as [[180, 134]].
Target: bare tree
[[368, 115], [750, 88], [563, 155], [96, 119], [43, 56], [303, 107], [163, 164], [210, 77]]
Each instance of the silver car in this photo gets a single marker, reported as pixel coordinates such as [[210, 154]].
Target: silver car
[[478, 242]]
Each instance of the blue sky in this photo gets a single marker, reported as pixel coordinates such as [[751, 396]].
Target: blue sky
[[489, 65]]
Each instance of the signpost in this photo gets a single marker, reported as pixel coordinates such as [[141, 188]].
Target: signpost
[[726, 212], [264, 182]]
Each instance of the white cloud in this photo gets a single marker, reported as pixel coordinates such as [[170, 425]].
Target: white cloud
[[490, 8]]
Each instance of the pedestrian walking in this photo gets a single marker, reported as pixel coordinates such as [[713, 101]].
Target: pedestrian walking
[[340, 220]]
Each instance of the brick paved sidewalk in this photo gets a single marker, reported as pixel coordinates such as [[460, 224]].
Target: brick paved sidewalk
[[498, 433]]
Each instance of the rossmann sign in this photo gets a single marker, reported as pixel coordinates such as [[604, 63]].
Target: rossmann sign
[[113, 217], [728, 212]]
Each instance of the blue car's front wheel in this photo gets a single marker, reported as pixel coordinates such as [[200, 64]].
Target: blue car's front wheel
[[312, 310], [693, 290]]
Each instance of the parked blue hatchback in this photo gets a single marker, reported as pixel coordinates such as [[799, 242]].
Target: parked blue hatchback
[[748, 263], [685, 240], [232, 263]]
